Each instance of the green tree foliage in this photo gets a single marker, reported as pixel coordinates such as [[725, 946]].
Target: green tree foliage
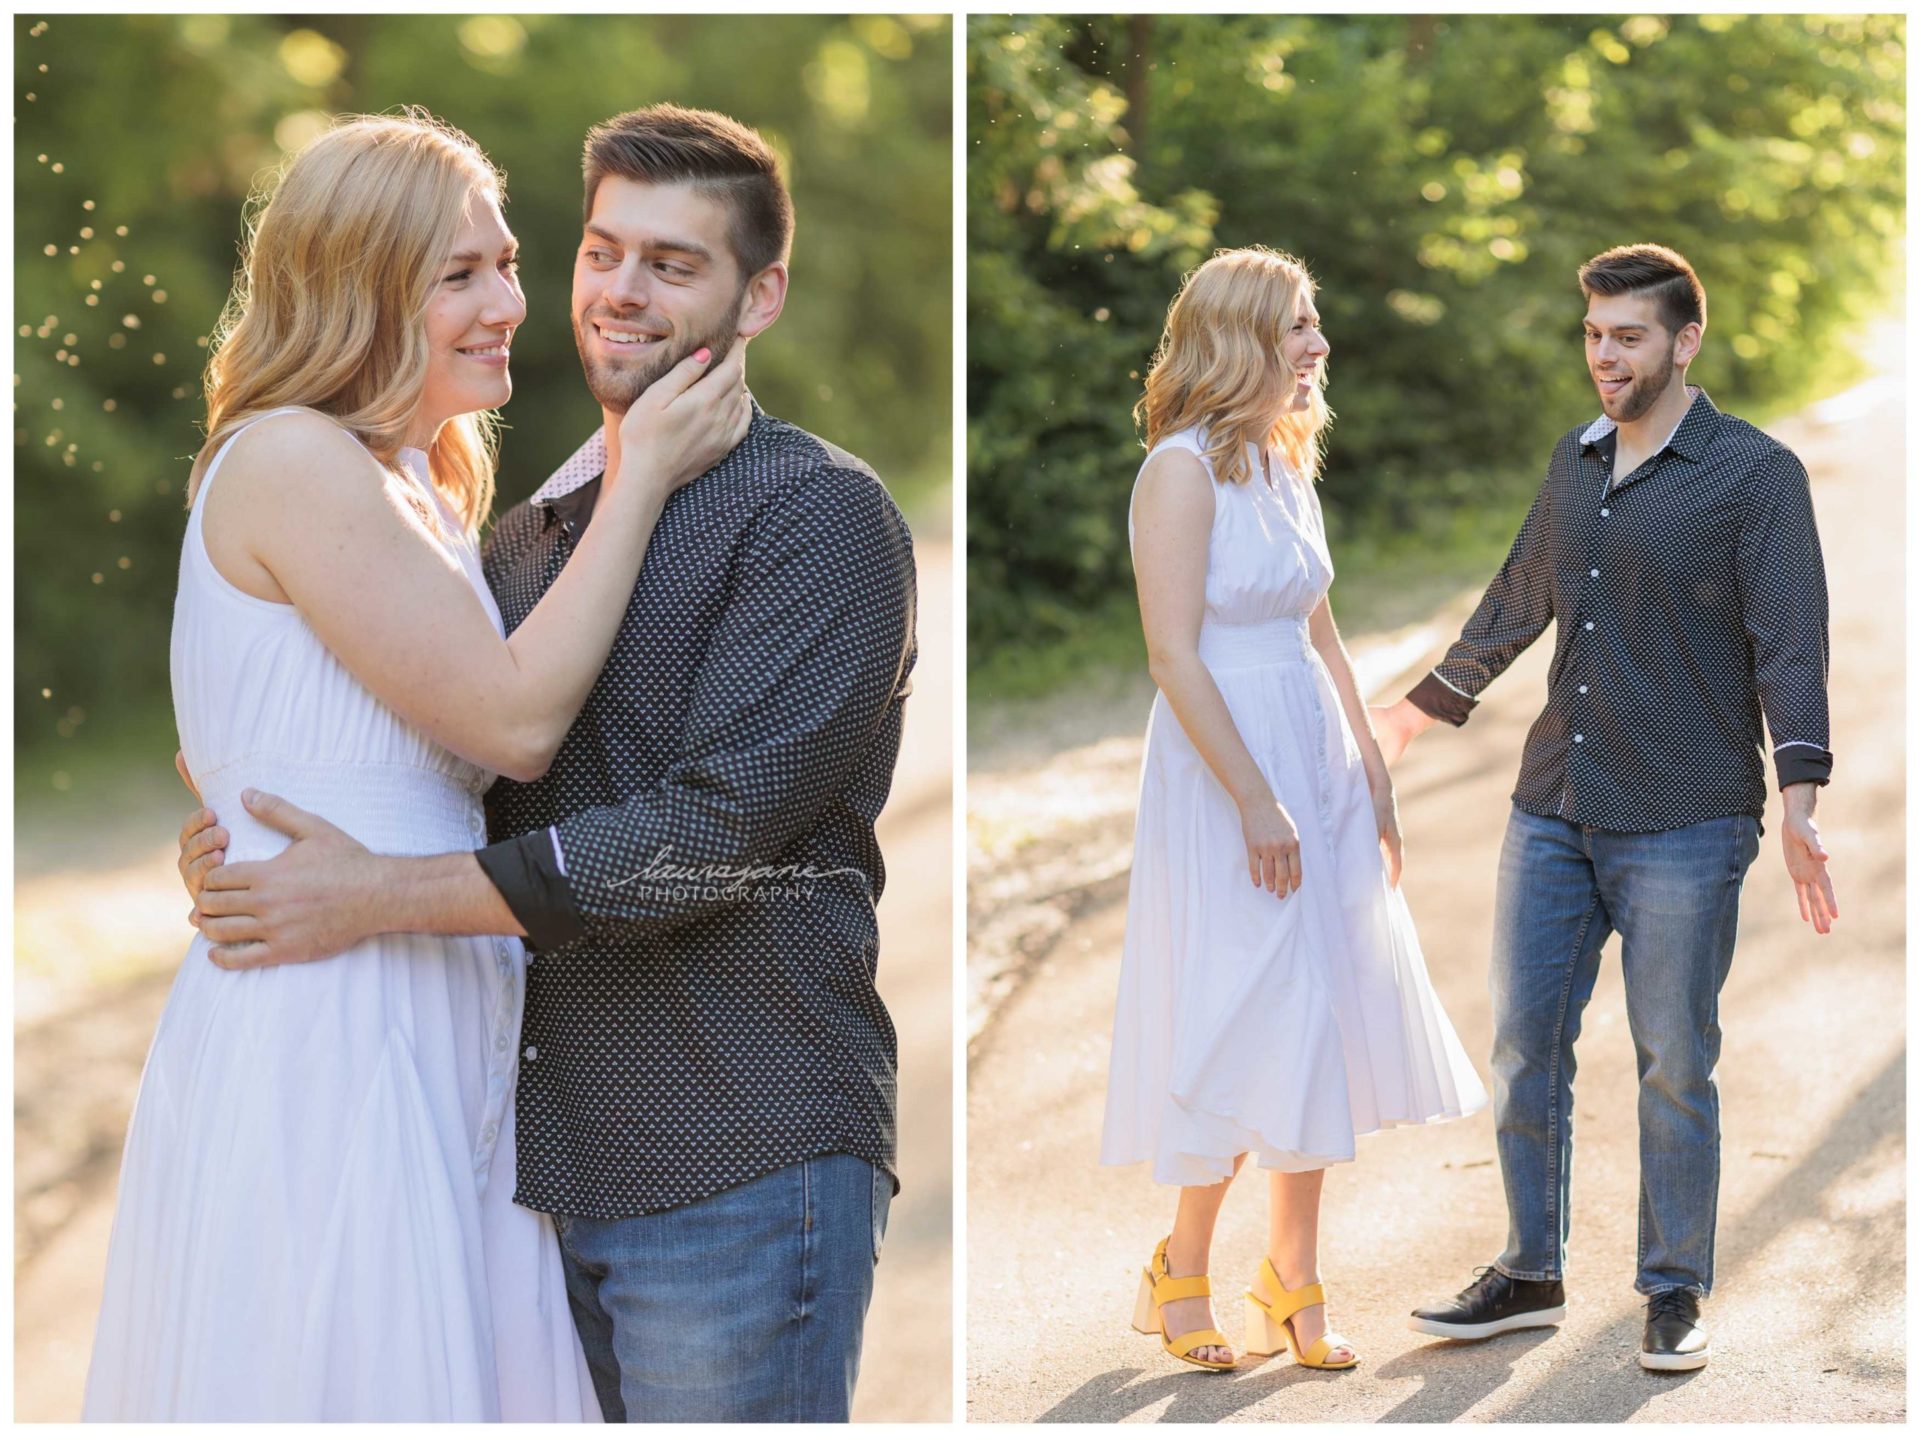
[[139, 137], [1444, 177]]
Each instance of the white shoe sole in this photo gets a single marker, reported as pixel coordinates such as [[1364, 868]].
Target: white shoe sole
[[1473, 1331], [1675, 1361]]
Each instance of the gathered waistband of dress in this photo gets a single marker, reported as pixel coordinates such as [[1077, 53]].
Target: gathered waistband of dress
[[1252, 646], [392, 808]]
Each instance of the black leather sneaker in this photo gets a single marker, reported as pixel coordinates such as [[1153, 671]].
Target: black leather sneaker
[[1494, 1303], [1674, 1340]]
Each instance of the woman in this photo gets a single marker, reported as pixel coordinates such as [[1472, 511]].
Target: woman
[[315, 1216], [1273, 1000]]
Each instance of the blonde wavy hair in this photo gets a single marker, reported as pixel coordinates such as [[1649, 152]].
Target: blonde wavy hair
[[1219, 367], [344, 246]]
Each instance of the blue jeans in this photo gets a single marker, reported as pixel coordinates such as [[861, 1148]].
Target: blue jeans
[[742, 1307], [1674, 898]]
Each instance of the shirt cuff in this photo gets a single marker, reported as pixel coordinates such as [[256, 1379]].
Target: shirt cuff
[[1802, 763], [528, 874], [1437, 698]]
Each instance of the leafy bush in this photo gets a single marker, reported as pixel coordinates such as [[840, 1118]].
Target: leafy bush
[[138, 138], [1444, 178]]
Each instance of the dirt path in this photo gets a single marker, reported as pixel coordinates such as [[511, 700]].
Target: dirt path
[[1809, 1312], [99, 926]]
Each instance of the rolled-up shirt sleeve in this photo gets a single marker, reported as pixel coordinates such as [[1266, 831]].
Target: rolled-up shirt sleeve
[[531, 874], [1514, 611], [1783, 605]]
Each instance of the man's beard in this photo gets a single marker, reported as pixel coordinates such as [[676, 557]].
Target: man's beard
[[616, 386], [1645, 391]]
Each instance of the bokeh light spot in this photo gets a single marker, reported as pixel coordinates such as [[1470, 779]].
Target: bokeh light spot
[[295, 131], [311, 58]]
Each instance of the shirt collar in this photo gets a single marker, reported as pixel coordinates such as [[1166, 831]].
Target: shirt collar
[[1688, 437], [587, 463]]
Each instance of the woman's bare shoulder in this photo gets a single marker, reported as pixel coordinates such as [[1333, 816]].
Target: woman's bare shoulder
[[1174, 480], [300, 446]]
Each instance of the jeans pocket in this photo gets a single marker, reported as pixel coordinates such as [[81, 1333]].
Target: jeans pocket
[[882, 1205]]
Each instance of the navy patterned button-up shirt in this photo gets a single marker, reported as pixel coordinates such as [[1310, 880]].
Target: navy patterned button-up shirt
[[697, 872], [1689, 599]]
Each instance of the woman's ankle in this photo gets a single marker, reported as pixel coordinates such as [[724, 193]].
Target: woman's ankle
[[1294, 1274], [1189, 1260]]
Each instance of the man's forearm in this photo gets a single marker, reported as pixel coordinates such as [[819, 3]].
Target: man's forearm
[[443, 893], [1799, 799]]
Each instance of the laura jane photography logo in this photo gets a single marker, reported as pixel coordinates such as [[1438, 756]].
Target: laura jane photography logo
[[695, 882]]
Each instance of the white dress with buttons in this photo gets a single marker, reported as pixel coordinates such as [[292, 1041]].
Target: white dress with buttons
[[1247, 1023], [315, 1217]]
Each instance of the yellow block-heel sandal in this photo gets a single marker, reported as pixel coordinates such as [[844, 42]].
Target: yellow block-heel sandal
[[1158, 1288], [1269, 1325]]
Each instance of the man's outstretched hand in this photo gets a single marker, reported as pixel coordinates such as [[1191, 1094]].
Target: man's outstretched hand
[[1396, 726], [311, 901], [1807, 859]]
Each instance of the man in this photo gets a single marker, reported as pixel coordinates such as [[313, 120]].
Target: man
[[1674, 547], [706, 1088]]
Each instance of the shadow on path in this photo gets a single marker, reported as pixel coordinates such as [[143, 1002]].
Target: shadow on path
[[1198, 1396], [1460, 1375]]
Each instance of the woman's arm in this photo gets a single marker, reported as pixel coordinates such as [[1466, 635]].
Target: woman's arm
[[1172, 520], [1326, 641], [1333, 653], [302, 500]]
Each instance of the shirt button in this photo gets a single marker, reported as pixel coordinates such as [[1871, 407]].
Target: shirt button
[[1605, 512], [500, 1045], [488, 1133], [1589, 623], [1593, 573], [532, 1052], [1583, 688], [1579, 738]]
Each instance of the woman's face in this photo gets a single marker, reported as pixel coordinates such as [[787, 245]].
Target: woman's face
[[1302, 349], [475, 309]]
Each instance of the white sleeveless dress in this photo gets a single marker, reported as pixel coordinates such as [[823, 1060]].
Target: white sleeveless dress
[[1246, 1023], [315, 1218]]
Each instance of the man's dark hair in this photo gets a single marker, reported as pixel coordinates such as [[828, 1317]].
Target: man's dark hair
[[668, 144], [1653, 270]]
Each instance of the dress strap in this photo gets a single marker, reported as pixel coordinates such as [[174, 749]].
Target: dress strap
[[196, 553], [1190, 440], [213, 464]]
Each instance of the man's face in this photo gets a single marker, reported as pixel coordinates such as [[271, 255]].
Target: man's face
[[655, 279], [1630, 354]]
